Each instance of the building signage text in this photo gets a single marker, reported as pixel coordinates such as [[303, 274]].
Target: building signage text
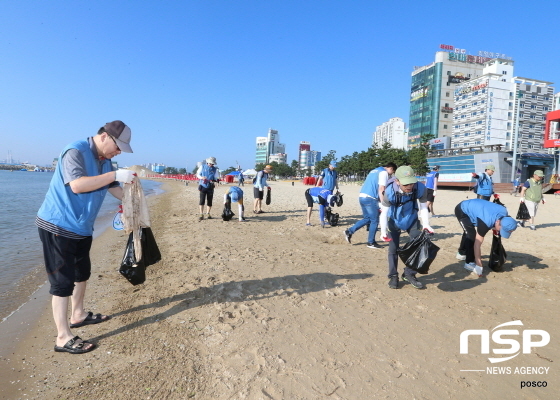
[[447, 109], [467, 58], [468, 89], [419, 94]]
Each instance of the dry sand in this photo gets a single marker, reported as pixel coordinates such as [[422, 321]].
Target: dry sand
[[272, 309]]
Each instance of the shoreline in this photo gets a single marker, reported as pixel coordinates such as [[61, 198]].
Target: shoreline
[[270, 308]]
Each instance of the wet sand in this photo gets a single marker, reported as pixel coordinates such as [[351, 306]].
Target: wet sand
[[272, 309]]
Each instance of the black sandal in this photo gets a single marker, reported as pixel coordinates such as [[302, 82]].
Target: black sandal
[[91, 319], [74, 348]]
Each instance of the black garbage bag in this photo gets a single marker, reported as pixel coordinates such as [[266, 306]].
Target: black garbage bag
[[523, 212], [419, 253], [227, 214], [498, 255], [268, 197], [339, 200], [135, 270], [331, 217]]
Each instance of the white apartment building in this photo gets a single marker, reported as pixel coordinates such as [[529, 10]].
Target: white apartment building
[[267, 145], [487, 108], [393, 132], [280, 158]]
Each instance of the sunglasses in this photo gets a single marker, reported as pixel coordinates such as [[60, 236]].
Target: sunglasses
[[114, 141]]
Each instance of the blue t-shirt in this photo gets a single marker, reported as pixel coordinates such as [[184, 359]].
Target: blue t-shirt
[[430, 177]]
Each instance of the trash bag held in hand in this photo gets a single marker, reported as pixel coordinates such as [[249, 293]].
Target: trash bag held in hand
[[227, 214], [268, 197], [419, 253], [498, 255], [135, 270], [523, 212]]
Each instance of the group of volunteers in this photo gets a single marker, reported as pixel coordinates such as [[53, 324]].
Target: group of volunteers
[[208, 175], [390, 197]]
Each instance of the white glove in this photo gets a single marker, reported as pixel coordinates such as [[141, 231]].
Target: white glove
[[124, 175], [428, 228], [435, 192], [522, 200]]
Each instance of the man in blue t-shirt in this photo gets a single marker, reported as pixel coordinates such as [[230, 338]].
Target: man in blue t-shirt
[[477, 217], [320, 196], [431, 185], [370, 194], [328, 179]]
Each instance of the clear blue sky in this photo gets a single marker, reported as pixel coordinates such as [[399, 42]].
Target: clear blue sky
[[204, 78]]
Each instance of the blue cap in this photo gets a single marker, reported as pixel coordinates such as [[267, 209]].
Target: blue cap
[[333, 163], [508, 226], [234, 195]]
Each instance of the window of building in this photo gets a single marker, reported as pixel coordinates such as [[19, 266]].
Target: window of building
[[533, 106], [466, 124], [532, 117], [504, 72], [533, 96], [521, 114], [475, 93], [483, 90], [467, 134], [531, 126], [446, 94], [448, 84], [444, 126], [445, 115]]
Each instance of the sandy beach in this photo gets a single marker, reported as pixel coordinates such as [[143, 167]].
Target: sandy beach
[[272, 309]]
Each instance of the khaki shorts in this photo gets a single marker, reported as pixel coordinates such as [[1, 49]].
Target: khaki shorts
[[532, 207]]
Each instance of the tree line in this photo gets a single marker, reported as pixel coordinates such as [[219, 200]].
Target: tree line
[[359, 164]]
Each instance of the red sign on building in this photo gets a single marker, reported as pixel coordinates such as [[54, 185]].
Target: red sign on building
[[552, 130]]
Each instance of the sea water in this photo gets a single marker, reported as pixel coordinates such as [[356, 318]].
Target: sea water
[[21, 255]]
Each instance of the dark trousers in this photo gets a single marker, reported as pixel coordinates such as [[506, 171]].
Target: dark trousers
[[395, 234], [479, 196], [466, 248]]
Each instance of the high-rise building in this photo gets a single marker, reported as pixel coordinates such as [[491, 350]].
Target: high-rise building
[[266, 146], [308, 158], [431, 92], [487, 109], [392, 132], [303, 146]]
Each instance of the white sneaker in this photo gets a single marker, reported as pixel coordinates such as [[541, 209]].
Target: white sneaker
[[460, 257]]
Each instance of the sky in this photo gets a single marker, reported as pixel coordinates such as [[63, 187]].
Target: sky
[[202, 78]]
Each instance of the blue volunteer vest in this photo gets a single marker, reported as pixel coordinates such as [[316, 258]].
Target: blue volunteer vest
[[488, 212], [404, 207], [371, 184], [485, 185], [209, 173], [317, 192], [75, 212], [329, 179]]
